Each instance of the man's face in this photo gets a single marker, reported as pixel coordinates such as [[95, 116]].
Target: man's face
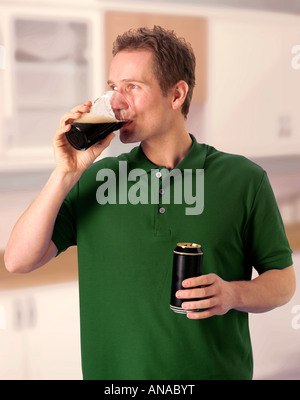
[[131, 73]]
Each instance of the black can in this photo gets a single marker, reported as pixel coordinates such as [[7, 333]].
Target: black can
[[187, 263]]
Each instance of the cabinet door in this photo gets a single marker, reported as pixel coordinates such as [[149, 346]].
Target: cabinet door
[[51, 67], [254, 92], [289, 123], [13, 353], [53, 341], [40, 333]]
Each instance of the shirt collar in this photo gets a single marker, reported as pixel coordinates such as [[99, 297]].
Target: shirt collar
[[194, 159]]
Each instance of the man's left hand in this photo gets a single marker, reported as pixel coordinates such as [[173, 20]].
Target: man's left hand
[[215, 295]]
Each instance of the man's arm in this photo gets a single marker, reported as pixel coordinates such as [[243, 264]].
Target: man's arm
[[269, 290], [30, 245]]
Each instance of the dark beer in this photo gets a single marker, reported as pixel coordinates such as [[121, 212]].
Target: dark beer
[[90, 129], [187, 263]]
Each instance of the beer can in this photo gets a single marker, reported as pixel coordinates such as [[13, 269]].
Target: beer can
[[187, 263]]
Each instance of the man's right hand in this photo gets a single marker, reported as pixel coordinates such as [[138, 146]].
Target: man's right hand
[[69, 159]]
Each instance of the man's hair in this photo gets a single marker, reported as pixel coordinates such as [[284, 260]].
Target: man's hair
[[174, 59]]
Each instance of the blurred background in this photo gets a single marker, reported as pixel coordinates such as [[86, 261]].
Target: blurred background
[[55, 55]]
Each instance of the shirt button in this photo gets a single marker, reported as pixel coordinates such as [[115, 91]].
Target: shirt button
[[162, 210], [158, 174]]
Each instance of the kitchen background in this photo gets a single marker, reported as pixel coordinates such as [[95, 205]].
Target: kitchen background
[[53, 56]]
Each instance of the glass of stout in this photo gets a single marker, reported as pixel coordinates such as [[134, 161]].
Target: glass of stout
[[108, 113]]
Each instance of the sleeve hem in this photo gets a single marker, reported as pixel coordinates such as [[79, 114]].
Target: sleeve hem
[[278, 264]]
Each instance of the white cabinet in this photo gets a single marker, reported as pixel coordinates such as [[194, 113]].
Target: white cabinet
[[40, 333], [254, 93], [12, 362], [53, 63]]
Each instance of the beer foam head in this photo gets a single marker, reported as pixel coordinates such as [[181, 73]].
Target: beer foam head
[[89, 118]]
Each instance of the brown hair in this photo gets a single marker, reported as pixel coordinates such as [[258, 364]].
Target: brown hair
[[174, 59]]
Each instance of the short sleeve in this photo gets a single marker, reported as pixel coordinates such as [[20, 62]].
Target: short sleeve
[[265, 239], [64, 232]]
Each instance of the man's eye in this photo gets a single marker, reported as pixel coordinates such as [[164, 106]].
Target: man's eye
[[132, 86]]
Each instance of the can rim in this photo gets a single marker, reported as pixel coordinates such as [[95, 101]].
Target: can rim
[[189, 245]]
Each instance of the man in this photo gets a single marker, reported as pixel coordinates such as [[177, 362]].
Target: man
[[125, 250]]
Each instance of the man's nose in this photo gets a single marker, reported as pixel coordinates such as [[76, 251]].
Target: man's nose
[[119, 105]]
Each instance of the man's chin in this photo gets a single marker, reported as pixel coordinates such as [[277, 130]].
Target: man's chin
[[127, 136], [123, 136]]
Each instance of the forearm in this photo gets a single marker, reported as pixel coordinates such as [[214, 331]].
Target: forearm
[[216, 296], [31, 236], [269, 290]]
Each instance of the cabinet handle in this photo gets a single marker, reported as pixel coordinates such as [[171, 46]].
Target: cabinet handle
[[18, 316], [25, 314], [32, 313]]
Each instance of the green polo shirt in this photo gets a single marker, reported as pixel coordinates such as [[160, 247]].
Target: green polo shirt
[[125, 254]]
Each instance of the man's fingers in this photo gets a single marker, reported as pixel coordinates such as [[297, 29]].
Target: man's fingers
[[69, 118], [83, 108], [102, 144], [202, 280], [200, 304], [196, 293], [75, 113]]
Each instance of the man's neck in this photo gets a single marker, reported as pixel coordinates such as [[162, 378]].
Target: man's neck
[[168, 150]]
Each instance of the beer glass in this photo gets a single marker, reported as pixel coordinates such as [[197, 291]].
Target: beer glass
[[108, 113]]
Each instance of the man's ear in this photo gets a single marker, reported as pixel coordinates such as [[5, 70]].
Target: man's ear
[[180, 90]]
